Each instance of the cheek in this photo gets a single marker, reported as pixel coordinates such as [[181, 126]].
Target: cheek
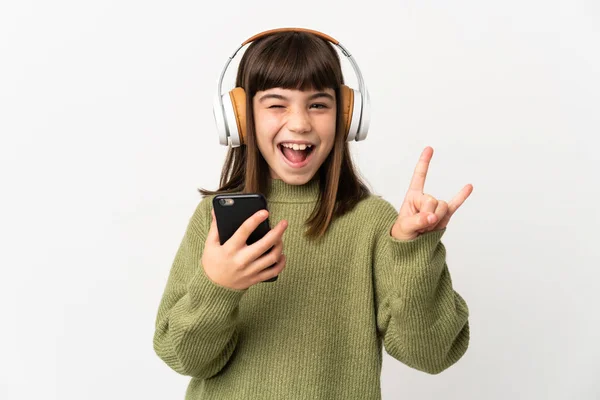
[[330, 134], [265, 128], [328, 127]]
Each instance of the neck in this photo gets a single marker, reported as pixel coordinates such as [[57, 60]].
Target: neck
[[280, 191]]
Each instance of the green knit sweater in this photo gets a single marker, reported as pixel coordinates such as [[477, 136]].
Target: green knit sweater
[[317, 332]]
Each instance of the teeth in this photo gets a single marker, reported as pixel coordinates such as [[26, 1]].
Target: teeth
[[296, 146]]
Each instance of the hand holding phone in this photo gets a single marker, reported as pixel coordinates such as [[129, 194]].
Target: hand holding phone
[[241, 249]]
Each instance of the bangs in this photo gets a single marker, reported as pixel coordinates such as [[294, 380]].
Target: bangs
[[292, 60]]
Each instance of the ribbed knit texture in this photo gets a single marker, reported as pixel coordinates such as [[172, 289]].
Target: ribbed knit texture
[[317, 332]]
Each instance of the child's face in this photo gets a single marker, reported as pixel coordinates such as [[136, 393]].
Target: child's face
[[284, 117]]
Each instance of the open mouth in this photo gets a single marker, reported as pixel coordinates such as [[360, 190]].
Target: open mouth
[[297, 155]]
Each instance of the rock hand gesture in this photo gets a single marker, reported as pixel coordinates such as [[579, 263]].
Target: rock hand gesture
[[422, 212]]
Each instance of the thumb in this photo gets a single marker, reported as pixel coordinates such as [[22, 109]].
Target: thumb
[[213, 232], [418, 221]]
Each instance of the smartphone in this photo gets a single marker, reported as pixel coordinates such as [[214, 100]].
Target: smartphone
[[233, 209]]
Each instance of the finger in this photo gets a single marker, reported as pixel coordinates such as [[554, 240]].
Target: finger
[[453, 205], [261, 246], [213, 232], [241, 235], [418, 180], [440, 212], [275, 270], [266, 260], [460, 198], [426, 203], [418, 222], [444, 222]]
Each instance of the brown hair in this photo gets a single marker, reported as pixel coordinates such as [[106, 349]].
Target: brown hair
[[302, 61]]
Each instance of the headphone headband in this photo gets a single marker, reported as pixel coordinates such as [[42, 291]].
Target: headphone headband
[[266, 33]]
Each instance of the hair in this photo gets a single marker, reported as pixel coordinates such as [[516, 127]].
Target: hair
[[302, 61]]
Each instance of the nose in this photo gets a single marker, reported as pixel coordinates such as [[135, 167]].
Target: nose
[[299, 121]]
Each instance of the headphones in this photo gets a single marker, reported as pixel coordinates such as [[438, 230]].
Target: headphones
[[229, 110]]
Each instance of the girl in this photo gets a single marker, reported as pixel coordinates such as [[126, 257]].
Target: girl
[[355, 275]]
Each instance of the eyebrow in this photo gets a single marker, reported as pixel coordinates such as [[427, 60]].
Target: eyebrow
[[281, 97]]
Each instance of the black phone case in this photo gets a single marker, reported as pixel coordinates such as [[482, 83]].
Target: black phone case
[[231, 217]]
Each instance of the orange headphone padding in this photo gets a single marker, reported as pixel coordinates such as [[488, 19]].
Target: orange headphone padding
[[265, 33], [347, 106], [238, 100]]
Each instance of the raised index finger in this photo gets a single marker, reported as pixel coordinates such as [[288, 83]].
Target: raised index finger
[[418, 180]]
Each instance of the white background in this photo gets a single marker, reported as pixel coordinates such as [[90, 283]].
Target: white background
[[107, 132]]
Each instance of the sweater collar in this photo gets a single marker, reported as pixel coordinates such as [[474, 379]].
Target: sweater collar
[[282, 192]]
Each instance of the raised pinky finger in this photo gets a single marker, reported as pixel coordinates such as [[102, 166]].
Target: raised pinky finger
[[460, 198]]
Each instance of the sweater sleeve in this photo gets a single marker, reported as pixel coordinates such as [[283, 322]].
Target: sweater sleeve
[[195, 329], [422, 319]]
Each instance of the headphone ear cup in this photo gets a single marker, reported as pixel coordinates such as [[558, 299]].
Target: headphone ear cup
[[238, 101], [352, 101], [234, 107], [347, 95]]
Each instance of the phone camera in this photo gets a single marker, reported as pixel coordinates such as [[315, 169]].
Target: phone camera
[[226, 202]]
